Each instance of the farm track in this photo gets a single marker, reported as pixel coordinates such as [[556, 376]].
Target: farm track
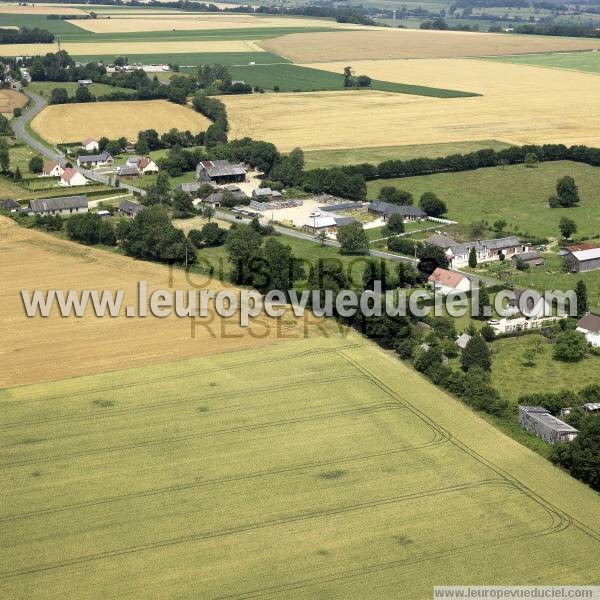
[[557, 525]]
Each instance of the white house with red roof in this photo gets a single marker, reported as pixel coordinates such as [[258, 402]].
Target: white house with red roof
[[72, 177], [90, 144], [147, 166], [444, 281], [51, 168]]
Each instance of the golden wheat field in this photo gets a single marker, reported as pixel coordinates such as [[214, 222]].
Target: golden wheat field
[[14, 9], [412, 43], [519, 105], [60, 123], [10, 99], [118, 48], [196, 22], [38, 349]]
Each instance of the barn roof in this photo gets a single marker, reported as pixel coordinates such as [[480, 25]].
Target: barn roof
[[590, 323], [130, 208], [62, 203], [222, 168]]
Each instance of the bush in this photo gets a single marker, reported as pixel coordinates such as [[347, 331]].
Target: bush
[[570, 346]]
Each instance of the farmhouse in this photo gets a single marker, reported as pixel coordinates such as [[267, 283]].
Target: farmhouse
[[144, 164], [386, 210], [220, 171], [10, 205], [265, 194], [532, 258], [128, 171], [539, 421], [65, 205], [590, 327], [95, 160], [51, 168], [582, 257], [72, 177], [486, 250], [90, 144], [130, 209], [444, 281]]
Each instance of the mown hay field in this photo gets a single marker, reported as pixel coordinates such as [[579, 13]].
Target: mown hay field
[[118, 48], [199, 22], [60, 123], [412, 43], [39, 349], [519, 105], [10, 99], [340, 473]]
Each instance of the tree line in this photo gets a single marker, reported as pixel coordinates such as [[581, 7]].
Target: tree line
[[23, 35]]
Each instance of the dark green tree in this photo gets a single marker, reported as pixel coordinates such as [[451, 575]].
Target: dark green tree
[[394, 225], [472, 257], [36, 164], [582, 298], [570, 346], [432, 205], [567, 227], [567, 192], [476, 354], [243, 249], [352, 239]]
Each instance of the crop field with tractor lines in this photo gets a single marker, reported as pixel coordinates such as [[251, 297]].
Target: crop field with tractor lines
[[214, 481]]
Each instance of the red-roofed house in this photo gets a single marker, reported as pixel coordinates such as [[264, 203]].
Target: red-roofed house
[[444, 281], [51, 169], [72, 177], [147, 165]]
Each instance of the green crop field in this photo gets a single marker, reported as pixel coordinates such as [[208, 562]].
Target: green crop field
[[517, 194], [251, 33], [44, 88], [192, 59], [588, 62], [292, 78], [352, 156], [317, 468], [41, 22]]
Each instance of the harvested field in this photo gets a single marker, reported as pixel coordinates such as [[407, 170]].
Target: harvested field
[[40, 349], [519, 105], [484, 77], [13, 9], [188, 478], [117, 48], [10, 99], [413, 43], [60, 123], [199, 22]]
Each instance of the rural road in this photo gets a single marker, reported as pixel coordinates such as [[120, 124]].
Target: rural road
[[19, 125]]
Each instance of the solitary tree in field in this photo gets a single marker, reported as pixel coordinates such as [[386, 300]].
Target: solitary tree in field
[[476, 354], [567, 227], [432, 205], [567, 192], [348, 77]]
